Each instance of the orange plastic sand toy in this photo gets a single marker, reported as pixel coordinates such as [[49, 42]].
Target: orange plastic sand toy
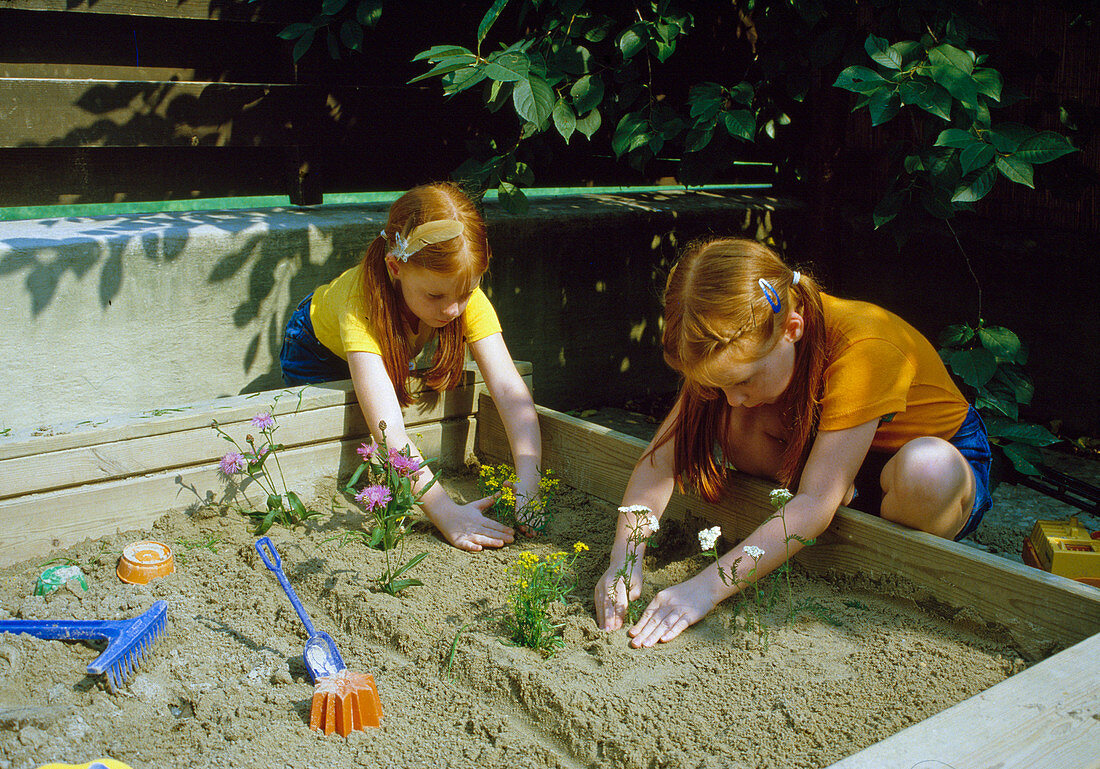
[[345, 702]]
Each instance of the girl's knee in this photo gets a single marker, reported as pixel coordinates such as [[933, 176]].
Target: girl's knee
[[927, 486], [926, 465]]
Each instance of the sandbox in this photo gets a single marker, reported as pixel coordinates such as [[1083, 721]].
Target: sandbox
[[938, 653]]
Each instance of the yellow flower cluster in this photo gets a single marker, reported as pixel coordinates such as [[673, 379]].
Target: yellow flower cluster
[[499, 479]]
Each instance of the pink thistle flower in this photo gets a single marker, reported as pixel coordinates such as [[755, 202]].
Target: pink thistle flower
[[263, 421], [232, 463], [407, 466], [373, 497], [366, 451]]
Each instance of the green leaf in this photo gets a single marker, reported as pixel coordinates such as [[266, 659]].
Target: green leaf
[[1017, 383], [572, 59], [989, 83], [533, 99], [956, 336], [633, 131], [351, 35], [860, 80], [1044, 147], [512, 198], [462, 79], [954, 137], [411, 564], [1015, 170], [697, 139], [740, 124], [296, 504], [294, 31], [303, 44], [590, 123], [369, 12], [1024, 458], [587, 93], [975, 367], [1022, 432], [1008, 137], [508, 66], [971, 190], [631, 41], [332, 7], [881, 52], [489, 18], [883, 106], [949, 56], [986, 401], [888, 207], [565, 120], [976, 155], [438, 52], [396, 586], [929, 96], [451, 64], [1000, 341]]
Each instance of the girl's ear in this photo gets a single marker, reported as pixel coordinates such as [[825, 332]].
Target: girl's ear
[[794, 326], [393, 267]]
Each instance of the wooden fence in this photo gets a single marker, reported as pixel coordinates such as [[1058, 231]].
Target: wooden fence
[[130, 100]]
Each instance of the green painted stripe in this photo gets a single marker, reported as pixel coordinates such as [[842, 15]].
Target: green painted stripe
[[282, 201]]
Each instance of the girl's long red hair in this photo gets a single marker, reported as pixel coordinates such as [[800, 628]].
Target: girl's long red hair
[[713, 302], [467, 255]]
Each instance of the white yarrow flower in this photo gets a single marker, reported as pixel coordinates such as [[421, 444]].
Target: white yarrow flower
[[753, 552], [708, 537], [780, 497], [634, 509], [652, 522]]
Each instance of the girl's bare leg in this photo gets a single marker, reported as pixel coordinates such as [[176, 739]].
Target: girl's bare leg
[[928, 485]]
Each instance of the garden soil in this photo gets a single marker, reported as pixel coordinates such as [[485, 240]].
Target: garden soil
[[226, 684]]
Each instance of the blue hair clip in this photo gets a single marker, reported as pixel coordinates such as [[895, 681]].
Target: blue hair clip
[[769, 294]]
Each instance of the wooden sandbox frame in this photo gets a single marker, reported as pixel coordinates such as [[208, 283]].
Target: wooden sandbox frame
[[66, 484]]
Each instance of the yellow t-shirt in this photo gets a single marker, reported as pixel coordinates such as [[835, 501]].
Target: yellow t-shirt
[[341, 318], [878, 366]]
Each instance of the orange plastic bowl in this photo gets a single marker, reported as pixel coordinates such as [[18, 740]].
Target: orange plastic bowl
[[142, 562]]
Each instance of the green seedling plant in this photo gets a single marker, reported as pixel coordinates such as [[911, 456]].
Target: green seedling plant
[[537, 584], [534, 514], [389, 498], [643, 526], [761, 594], [185, 546], [283, 505]]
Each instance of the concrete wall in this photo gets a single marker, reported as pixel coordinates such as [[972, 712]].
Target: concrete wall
[[143, 313]]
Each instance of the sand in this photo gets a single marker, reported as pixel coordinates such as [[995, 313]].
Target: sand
[[226, 684]]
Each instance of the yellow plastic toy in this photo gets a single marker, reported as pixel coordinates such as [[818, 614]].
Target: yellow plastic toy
[[1065, 548], [99, 763]]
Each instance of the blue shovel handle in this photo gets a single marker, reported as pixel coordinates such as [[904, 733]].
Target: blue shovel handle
[[274, 563]]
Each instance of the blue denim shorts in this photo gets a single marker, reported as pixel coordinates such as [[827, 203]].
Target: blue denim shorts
[[971, 440], [303, 359]]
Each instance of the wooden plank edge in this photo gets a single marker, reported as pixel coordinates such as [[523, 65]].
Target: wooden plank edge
[[104, 461], [1044, 717], [37, 524], [229, 410], [1041, 612]]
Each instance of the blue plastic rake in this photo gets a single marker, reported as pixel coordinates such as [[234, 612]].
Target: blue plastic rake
[[127, 639]]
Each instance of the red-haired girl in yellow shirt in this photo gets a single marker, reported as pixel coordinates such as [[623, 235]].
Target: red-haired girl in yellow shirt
[[419, 283], [783, 381]]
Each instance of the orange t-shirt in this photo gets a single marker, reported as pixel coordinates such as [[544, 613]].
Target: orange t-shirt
[[880, 367]]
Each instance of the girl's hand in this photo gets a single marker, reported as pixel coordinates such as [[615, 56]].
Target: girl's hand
[[613, 597], [467, 528], [672, 611]]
